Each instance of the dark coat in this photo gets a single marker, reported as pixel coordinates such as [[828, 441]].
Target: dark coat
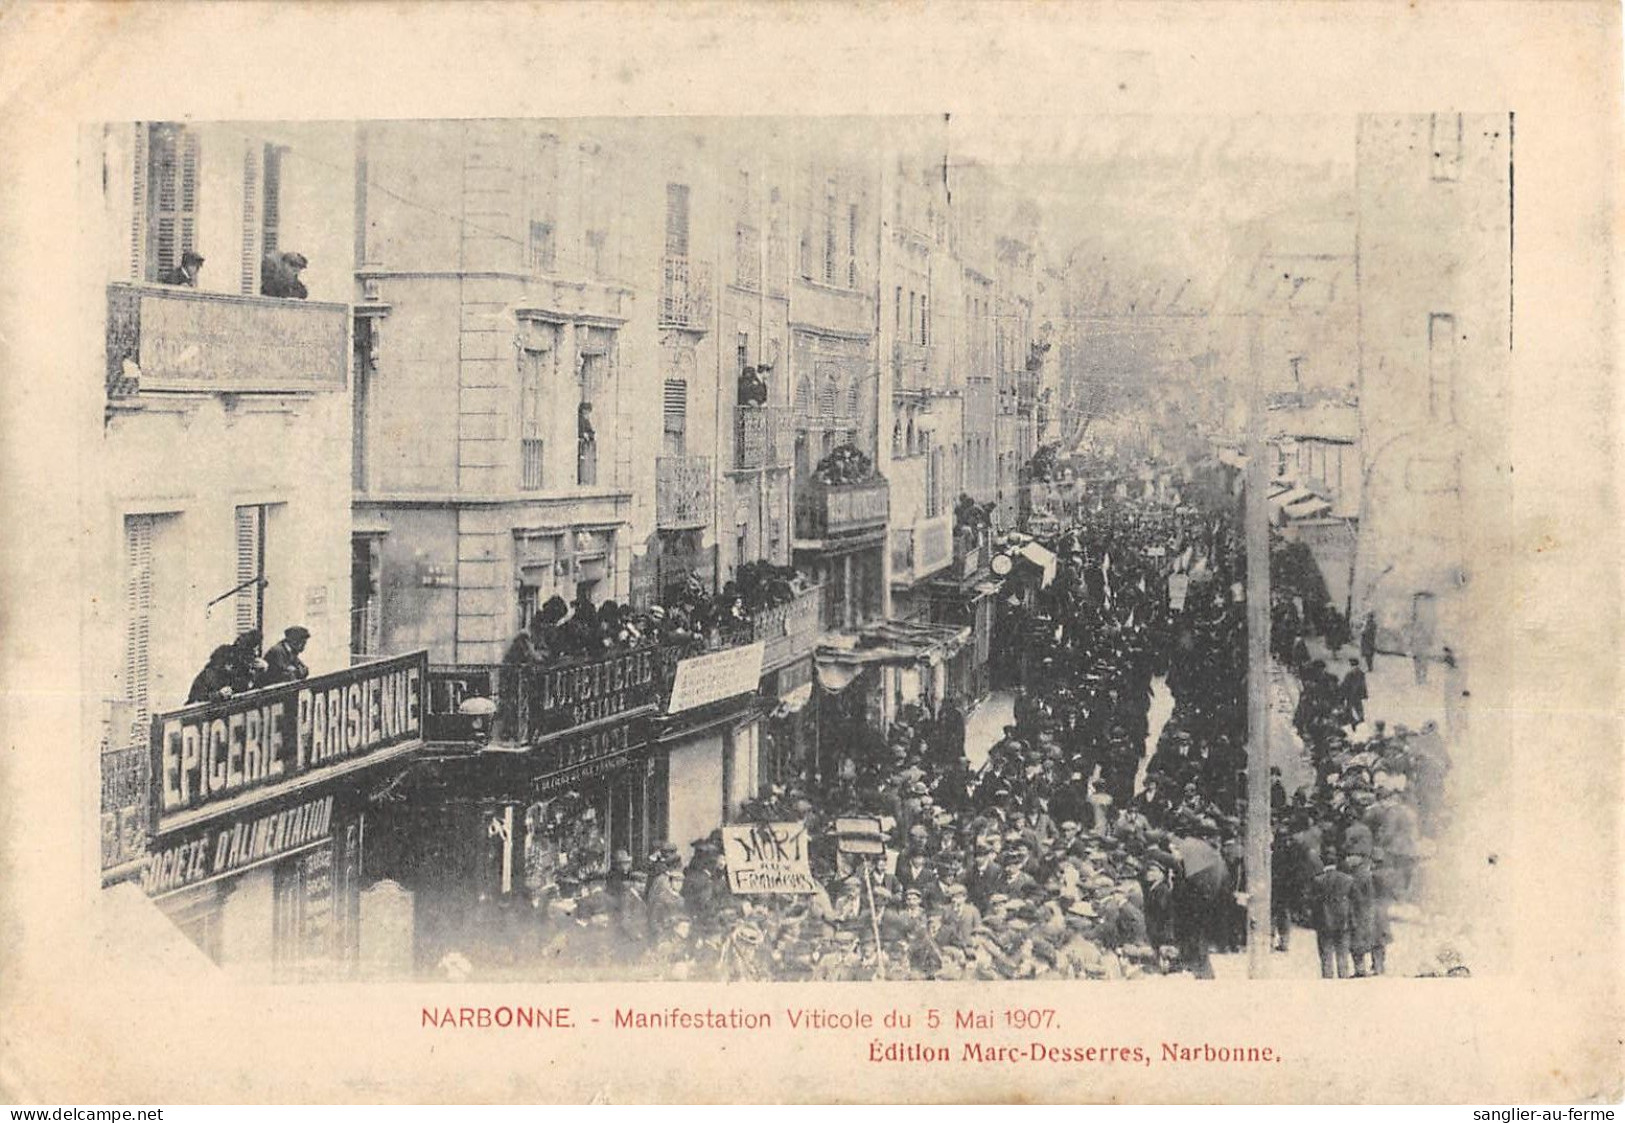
[[283, 664]]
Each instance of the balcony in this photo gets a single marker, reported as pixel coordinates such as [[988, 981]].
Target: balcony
[[909, 367], [834, 510], [972, 555], [126, 802], [685, 294], [172, 338], [763, 437], [534, 703], [682, 492], [790, 631], [920, 550]]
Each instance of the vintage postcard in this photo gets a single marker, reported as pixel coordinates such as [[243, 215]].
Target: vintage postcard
[[811, 553]]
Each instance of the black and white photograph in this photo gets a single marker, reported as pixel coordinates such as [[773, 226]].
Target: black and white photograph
[[981, 562]]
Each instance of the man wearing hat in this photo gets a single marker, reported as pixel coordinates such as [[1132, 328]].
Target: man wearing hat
[[185, 273], [282, 662]]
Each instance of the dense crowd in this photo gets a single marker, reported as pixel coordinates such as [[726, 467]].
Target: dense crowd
[[1068, 854]]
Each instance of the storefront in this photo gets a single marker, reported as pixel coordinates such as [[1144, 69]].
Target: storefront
[[261, 808], [892, 664], [708, 759], [789, 738]]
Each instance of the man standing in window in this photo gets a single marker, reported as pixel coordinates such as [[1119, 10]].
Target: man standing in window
[[185, 273], [282, 660]]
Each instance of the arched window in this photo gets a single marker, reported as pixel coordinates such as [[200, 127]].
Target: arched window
[[804, 397], [909, 443]]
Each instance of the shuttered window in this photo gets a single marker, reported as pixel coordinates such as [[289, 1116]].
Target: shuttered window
[[536, 371], [250, 568], [138, 203], [676, 220], [676, 417], [271, 226], [249, 281], [138, 535], [172, 190]]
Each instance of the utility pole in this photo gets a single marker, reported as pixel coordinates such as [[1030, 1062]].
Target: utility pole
[[1259, 835]]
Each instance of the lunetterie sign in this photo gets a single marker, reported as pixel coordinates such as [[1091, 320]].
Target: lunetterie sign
[[265, 739]]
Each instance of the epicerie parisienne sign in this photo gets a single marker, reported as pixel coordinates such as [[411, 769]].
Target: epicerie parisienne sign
[[265, 738]]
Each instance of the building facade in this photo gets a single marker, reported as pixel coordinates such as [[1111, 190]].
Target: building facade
[[1435, 330], [219, 506]]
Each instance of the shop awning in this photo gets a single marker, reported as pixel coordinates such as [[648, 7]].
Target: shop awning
[[794, 701], [889, 641], [1283, 499], [1307, 508], [135, 932], [1041, 557]]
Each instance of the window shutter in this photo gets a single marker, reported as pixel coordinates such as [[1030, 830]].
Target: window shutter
[[189, 187], [138, 623], [162, 196], [251, 257], [676, 411], [250, 566], [271, 240], [139, 157], [676, 220]]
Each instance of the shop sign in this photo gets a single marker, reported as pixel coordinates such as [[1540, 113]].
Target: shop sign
[[236, 846], [575, 757], [564, 697], [262, 740], [860, 835], [768, 858], [711, 678]]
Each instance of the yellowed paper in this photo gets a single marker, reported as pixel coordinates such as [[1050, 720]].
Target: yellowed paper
[[100, 1003]]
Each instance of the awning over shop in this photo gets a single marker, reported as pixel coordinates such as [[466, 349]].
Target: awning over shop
[[794, 701], [1283, 499], [1041, 557], [889, 641], [1307, 508], [135, 933]]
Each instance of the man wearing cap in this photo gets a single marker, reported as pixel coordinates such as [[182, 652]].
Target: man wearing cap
[[282, 662], [279, 275], [185, 273]]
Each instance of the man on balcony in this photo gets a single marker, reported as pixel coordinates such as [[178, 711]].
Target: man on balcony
[[279, 275], [282, 660], [185, 273], [752, 387]]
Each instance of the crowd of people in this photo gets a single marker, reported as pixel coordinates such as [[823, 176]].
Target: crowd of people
[[691, 618], [1069, 853]]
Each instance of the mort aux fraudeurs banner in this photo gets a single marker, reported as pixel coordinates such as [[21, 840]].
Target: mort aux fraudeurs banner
[[767, 858]]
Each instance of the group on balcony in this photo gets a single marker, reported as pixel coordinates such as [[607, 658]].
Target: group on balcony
[[279, 274], [693, 619], [238, 667]]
